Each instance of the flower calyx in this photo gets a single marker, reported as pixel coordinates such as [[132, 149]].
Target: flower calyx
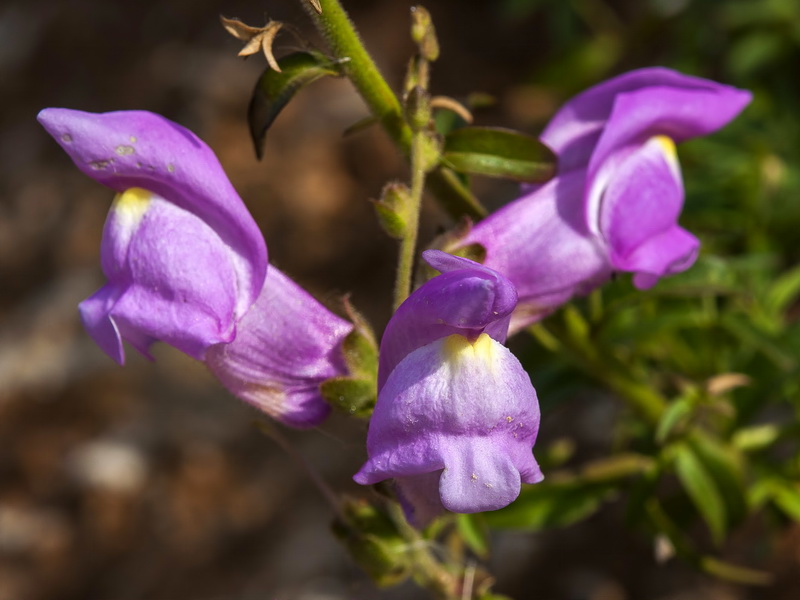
[[356, 392]]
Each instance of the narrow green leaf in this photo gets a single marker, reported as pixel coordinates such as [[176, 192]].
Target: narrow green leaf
[[499, 153], [682, 545], [677, 413], [784, 290], [735, 573], [552, 504], [475, 533], [756, 438], [783, 493], [702, 490], [724, 464], [786, 496], [274, 89], [754, 338]]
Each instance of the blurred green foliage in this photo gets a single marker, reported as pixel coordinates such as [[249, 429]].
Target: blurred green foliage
[[708, 361]]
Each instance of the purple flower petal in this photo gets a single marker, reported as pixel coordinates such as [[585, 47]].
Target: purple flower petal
[[615, 202], [170, 279], [468, 300], [419, 497], [541, 244], [137, 149], [671, 251], [575, 129], [479, 476], [641, 202], [637, 116], [465, 409], [286, 346], [95, 315]]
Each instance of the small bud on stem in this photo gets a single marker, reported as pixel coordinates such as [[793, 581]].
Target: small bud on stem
[[423, 33]]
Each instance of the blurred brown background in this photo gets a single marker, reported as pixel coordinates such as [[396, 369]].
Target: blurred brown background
[[150, 482]]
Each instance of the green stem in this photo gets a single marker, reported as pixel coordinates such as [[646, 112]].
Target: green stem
[[334, 24], [429, 572], [405, 265], [454, 196]]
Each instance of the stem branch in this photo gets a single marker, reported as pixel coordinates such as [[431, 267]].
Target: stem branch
[[336, 27], [405, 265]]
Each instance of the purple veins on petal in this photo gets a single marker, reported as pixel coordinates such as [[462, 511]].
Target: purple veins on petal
[[286, 346]]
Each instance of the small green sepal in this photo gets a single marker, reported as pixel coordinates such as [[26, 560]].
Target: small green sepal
[[418, 108], [360, 348], [423, 33], [350, 395], [355, 394], [430, 151], [392, 209], [372, 539]]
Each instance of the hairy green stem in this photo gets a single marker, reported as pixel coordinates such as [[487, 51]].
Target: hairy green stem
[[408, 245], [334, 24]]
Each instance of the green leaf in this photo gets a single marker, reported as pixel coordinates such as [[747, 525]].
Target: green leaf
[[552, 504], [756, 438], [758, 340], [702, 490], [734, 573], [724, 464], [499, 153], [676, 414], [475, 533], [709, 564], [786, 496], [785, 289], [274, 89]]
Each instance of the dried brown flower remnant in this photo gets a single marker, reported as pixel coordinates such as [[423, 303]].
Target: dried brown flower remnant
[[255, 38]]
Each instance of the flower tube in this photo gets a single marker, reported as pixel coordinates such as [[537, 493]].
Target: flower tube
[[456, 416]]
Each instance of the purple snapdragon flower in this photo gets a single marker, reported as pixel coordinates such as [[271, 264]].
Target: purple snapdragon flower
[[615, 202], [456, 416], [187, 265]]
